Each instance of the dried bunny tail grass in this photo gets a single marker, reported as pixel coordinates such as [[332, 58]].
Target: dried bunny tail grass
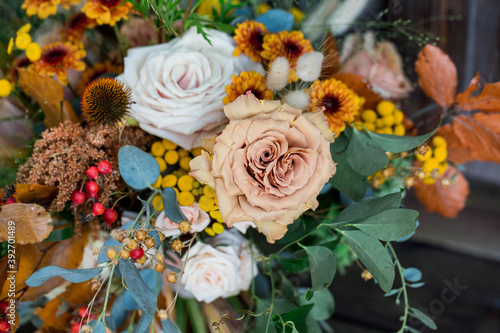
[[277, 77], [297, 98], [309, 66]]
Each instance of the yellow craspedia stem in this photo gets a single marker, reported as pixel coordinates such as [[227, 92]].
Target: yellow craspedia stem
[[5, 88]]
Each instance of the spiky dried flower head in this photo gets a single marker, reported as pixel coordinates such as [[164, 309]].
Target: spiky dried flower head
[[105, 101]]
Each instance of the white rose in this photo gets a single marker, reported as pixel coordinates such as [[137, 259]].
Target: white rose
[[221, 268], [178, 86], [198, 218]]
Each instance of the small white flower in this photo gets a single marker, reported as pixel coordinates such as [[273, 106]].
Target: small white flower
[[296, 98], [277, 77], [309, 66]]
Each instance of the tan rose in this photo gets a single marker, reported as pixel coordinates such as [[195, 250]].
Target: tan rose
[[268, 165]]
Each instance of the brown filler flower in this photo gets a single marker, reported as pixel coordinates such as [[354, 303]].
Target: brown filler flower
[[62, 155]]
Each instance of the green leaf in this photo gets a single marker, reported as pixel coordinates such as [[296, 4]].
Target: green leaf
[[137, 168], [423, 318], [169, 327], [324, 304], [142, 294], [364, 155], [398, 143], [297, 263], [362, 210], [391, 224], [412, 274], [340, 144], [373, 255], [323, 264], [60, 234], [346, 180], [171, 207], [297, 316], [72, 275], [98, 326], [195, 316]]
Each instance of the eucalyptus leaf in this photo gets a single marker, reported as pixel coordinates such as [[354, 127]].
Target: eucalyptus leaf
[[276, 20], [416, 285], [142, 325], [373, 255], [412, 274], [423, 318], [72, 275], [97, 326], [111, 242], [151, 278], [322, 264], [142, 294], [171, 207], [297, 263], [398, 143], [362, 210], [169, 327], [346, 180], [390, 224], [364, 155], [118, 311], [392, 292], [137, 168]]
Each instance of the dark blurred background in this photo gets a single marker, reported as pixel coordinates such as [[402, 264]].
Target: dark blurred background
[[465, 250]]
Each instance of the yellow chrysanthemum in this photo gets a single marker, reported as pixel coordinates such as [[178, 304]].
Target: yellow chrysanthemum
[[75, 28], [56, 58], [249, 37], [67, 3], [247, 81], [340, 103], [286, 44], [107, 11], [95, 72], [41, 8]]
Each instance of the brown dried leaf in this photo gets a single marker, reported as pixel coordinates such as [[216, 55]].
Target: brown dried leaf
[[487, 101], [332, 56], [31, 223], [359, 85], [475, 137], [437, 75], [447, 201], [49, 95], [34, 193]]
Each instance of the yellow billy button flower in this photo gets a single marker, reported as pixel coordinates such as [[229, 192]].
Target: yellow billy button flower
[[169, 181], [161, 163], [185, 198], [33, 52], [385, 108], [157, 202], [168, 145], [439, 141], [209, 231], [208, 191], [423, 156], [440, 154], [157, 149], [369, 126], [206, 203], [22, 41], [369, 116], [185, 183], [196, 151], [398, 116], [171, 157], [215, 214], [184, 163], [217, 227], [5, 88], [399, 129], [24, 29], [388, 120], [158, 182], [298, 15], [430, 165], [11, 45]]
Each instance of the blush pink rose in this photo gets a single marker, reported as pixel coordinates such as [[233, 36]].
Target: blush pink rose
[[380, 64], [268, 165], [198, 218]]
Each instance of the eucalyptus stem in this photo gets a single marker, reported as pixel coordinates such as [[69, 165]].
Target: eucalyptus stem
[[103, 314], [403, 287]]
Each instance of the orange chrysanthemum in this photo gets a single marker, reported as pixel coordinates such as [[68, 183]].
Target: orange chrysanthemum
[[56, 58], [340, 103], [286, 44], [90, 74], [66, 3], [107, 11], [75, 28], [249, 37], [247, 81], [41, 8]]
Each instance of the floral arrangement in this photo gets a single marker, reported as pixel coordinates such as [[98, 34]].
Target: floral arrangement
[[209, 167]]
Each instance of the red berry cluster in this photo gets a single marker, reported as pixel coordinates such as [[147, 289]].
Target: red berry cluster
[[76, 322], [92, 191], [4, 325]]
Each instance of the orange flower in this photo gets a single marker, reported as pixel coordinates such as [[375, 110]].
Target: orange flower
[[90, 74], [66, 3], [75, 28], [286, 44], [340, 103], [56, 58], [247, 81], [249, 37], [42, 8], [107, 11]]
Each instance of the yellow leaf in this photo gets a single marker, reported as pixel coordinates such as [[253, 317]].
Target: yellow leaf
[[28, 223]]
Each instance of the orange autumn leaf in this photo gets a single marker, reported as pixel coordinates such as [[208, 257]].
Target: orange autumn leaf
[[332, 56], [437, 75], [487, 101], [360, 87], [28, 223], [34, 193], [49, 94], [475, 137], [445, 200]]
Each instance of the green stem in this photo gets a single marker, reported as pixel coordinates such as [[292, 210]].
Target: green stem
[[12, 118], [103, 314], [403, 287], [120, 41], [423, 111]]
